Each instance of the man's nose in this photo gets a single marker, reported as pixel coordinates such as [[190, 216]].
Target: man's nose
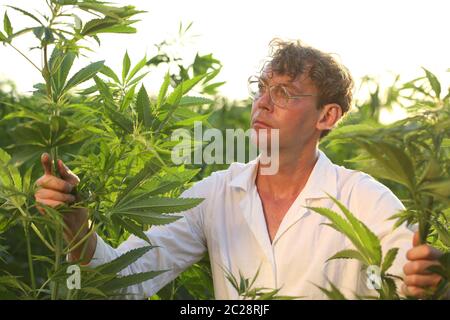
[[264, 102]]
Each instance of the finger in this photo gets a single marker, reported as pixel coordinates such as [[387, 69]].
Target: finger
[[419, 266], [46, 162], [412, 291], [67, 174], [423, 252], [54, 183], [422, 281], [54, 195], [50, 203], [416, 239]]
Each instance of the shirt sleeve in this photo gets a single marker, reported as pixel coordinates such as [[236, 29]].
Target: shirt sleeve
[[376, 204], [179, 245]]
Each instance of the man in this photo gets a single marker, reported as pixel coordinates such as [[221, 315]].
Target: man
[[250, 221]]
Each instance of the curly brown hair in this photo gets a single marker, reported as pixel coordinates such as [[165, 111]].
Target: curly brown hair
[[332, 79]]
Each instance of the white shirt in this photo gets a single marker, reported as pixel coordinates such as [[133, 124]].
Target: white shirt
[[230, 225]]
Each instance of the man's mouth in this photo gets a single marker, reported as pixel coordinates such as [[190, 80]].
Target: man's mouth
[[260, 124]]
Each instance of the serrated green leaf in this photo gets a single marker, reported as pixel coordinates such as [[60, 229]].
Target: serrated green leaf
[[95, 26], [123, 261], [48, 36], [194, 101], [27, 14], [148, 217], [84, 74], [334, 293], [126, 281], [440, 186], [107, 25], [39, 32], [341, 225], [212, 74], [392, 163], [7, 25], [142, 176], [212, 88], [443, 233], [434, 82], [367, 239], [389, 289], [183, 88], [351, 131], [432, 171], [107, 71], [163, 90], [131, 227], [9, 174], [119, 119], [158, 204], [104, 91], [126, 64], [389, 259], [347, 254], [127, 99], [163, 187], [144, 108], [60, 65], [27, 186], [109, 11], [137, 68], [136, 80]]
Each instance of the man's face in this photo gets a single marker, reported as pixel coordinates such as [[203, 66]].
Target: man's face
[[297, 121]]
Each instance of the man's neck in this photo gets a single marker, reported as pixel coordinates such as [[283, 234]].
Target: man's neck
[[295, 167]]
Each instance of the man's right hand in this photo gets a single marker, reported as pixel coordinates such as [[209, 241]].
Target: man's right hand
[[53, 191]]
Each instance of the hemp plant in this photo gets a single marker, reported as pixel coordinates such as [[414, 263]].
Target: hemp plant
[[117, 141], [412, 157]]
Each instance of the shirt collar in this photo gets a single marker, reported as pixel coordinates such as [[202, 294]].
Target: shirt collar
[[321, 181]]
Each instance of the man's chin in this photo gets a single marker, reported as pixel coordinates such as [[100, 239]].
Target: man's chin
[[266, 139]]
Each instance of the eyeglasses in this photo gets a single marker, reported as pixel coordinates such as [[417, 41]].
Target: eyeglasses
[[278, 93]]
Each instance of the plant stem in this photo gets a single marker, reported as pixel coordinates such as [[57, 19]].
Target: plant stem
[[59, 241], [58, 250], [36, 230], [26, 228], [421, 216], [46, 74], [28, 59], [58, 232]]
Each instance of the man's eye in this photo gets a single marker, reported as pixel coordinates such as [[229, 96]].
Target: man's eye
[[278, 91], [261, 87]]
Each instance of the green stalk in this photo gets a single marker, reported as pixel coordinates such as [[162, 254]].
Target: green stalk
[[58, 253], [54, 155], [422, 217], [59, 231], [26, 227], [25, 56], [36, 230]]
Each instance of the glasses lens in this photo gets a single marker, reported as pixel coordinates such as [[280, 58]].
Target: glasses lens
[[279, 96], [255, 87]]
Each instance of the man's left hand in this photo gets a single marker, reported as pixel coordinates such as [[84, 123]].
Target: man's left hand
[[417, 279]]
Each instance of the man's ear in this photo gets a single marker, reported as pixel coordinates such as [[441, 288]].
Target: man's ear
[[329, 116]]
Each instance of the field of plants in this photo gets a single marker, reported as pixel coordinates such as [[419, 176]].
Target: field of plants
[[115, 134]]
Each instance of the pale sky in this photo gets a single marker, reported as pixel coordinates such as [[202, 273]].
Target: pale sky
[[371, 37]]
